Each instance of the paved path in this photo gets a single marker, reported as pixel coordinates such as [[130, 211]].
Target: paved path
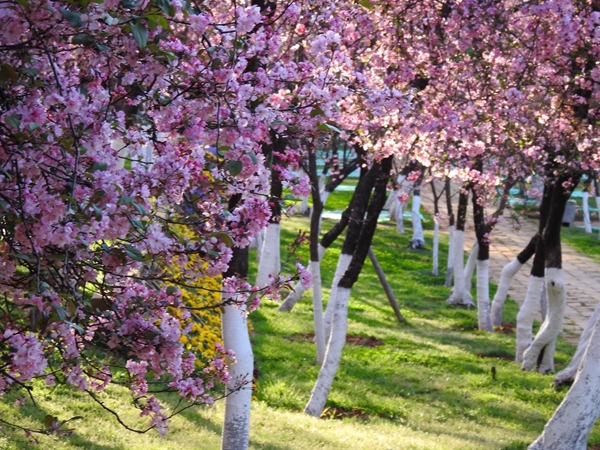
[[582, 274]]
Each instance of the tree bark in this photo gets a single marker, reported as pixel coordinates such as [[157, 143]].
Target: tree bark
[[451, 232], [359, 236], [484, 318], [459, 294]]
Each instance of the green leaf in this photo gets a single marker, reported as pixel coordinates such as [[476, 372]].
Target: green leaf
[[134, 253], [126, 200], [141, 209], [74, 18], [97, 212], [317, 112], [82, 39], [172, 290], [49, 421], [13, 120], [100, 166], [234, 167], [33, 126], [224, 237], [328, 127], [165, 6], [216, 63], [140, 34], [367, 4], [158, 20], [7, 73], [253, 157]]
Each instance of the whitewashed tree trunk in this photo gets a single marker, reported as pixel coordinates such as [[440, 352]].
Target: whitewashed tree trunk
[[336, 343], [586, 212], [236, 425], [450, 262], [470, 266], [436, 249], [508, 273], [400, 217], [418, 240], [567, 375], [459, 294], [315, 271], [598, 207], [270, 255], [340, 270], [545, 340], [483, 295], [120, 146], [569, 427], [299, 290], [527, 314]]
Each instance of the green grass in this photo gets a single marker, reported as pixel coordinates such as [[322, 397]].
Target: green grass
[[585, 243], [428, 386]]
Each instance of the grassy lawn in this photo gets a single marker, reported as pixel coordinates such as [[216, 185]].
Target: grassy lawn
[[427, 383]]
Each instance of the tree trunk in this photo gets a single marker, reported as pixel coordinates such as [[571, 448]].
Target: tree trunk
[[571, 423], [299, 290], [469, 269], [541, 351], [418, 240], [484, 318], [459, 294], [451, 237], [508, 273], [236, 425], [435, 271], [359, 236], [270, 263]]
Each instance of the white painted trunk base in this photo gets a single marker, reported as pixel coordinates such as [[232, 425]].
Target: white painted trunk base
[[315, 271], [270, 262], [335, 345], [470, 266], [586, 213], [526, 316], [545, 340], [567, 375], [459, 294], [236, 425], [508, 273], [436, 249], [569, 427], [418, 240], [483, 295], [450, 262], [598, 208], [340, 270], [299, 290]]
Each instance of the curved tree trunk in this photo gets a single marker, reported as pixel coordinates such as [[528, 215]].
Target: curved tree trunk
[[359, 235], [270, 263], [571, 423], [508, 273], [586, 212], [567, 375], [541, 351]]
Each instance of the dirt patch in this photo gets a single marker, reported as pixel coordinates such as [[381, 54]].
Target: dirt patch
[[353, 339], [503, 357], [335, 412], [506, 328]]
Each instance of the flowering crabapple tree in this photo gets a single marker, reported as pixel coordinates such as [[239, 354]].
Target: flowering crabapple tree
[[122, 122]]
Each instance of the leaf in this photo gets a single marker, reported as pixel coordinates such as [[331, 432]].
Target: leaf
[[13, 120], [172, 290], [317, 112], [253, 157], [74, 18], [7, 72], [165, 6], [140, 34], [134, 253], [126, 200], [82, 39], [97, 212], [328, 127], [140, 209], [101, 166], [49, 421], [33, 126], [227, 240], [367, 4], [234, 167]]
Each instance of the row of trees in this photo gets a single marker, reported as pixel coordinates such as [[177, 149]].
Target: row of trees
[[123, 121]]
